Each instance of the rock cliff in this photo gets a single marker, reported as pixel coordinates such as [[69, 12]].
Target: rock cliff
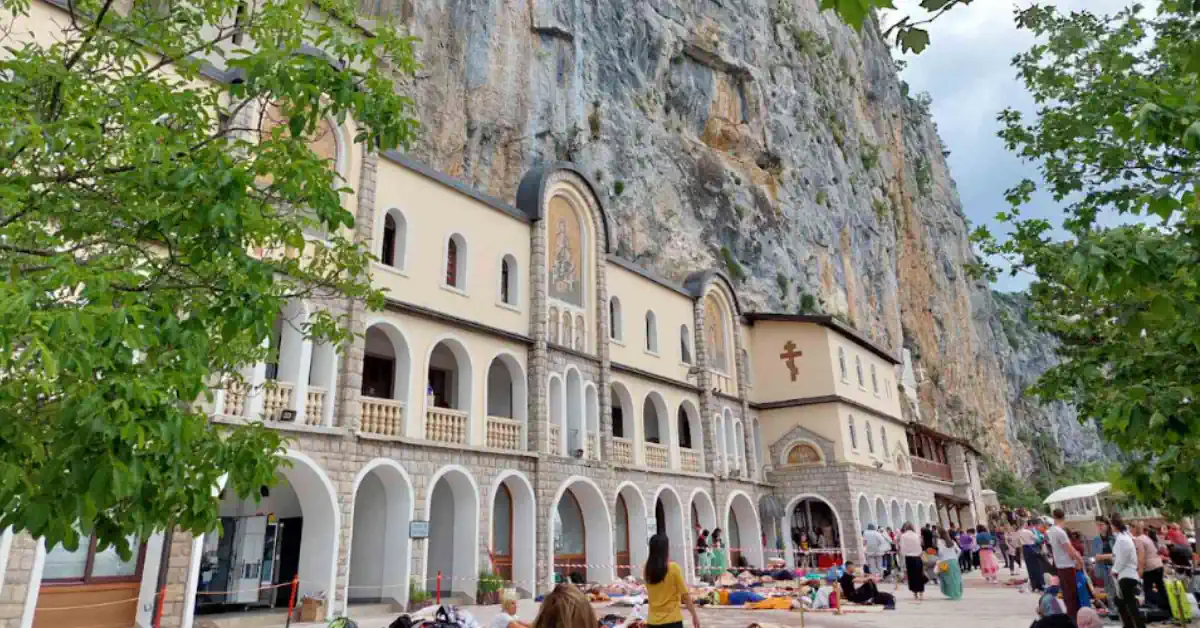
[[762, 136]]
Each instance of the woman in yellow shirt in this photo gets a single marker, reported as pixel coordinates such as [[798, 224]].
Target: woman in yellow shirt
[[666, 588]]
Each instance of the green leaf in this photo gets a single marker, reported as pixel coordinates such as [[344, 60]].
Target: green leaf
[[913, 40]]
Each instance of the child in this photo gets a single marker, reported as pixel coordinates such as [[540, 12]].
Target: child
[[930, 562]]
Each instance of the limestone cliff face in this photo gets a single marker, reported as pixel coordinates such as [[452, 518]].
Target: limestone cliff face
[[759, 135]]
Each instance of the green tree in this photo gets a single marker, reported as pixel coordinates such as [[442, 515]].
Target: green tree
[[1115, 138], [1011, 490], [152, 224]]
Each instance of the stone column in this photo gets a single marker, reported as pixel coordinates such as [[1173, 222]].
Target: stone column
[[749, 455], [704, 381], [348, 409], [21, 554]]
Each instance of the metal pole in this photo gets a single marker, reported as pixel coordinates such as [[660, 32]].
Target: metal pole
[[292, 600]]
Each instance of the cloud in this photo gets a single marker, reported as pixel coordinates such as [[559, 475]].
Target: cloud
[[967, 70]]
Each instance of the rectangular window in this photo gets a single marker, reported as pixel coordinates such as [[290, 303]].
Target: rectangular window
[[87, 565]]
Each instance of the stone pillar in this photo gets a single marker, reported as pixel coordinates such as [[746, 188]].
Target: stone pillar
[[707, 403], [21, 555], [749, 455], [178, 604], [348, 408]]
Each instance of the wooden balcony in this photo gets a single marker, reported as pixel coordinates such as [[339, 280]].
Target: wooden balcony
[[382, 417], [929, 468]]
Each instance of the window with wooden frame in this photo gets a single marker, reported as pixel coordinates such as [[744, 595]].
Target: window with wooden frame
[[86, 565]]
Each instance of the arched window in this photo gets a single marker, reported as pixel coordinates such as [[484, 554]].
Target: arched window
[[580, 333], [508, 280], [685, 345], [568, 334], [874, 380], [552, 325], [842, 363], [395, 238], [883, 439], [614, 319], [853, 436], [870, 437], [456, 262], [803, 454], [858, 367], [651, 332], [684, 427]]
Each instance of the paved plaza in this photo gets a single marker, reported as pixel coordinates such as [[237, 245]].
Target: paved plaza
[[983, 605]]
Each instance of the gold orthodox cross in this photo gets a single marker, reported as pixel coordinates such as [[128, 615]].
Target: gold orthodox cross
[[789, 355]]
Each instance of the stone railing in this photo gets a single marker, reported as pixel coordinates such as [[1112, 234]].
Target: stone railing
[[657, 456], [276, 398], [723, 383], [314, 409], [622, 450], [445, 425], [593, 446], [383, 417], [503, 433], [689, 459], [932, 469], [235, 400], [555, 436]]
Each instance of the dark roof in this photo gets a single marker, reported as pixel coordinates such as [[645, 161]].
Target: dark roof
[[698, 281], [830, 322], [925, 429], [532, 190]]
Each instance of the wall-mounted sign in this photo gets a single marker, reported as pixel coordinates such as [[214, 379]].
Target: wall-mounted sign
[[418, 529]]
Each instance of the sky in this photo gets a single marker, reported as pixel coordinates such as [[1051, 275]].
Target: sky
[[967, 71]]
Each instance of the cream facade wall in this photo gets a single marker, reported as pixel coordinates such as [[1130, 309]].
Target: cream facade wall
[[883, 399], [772, 379], [823, 419], [433, 213], [422, 336], [870, 451], [639, 295], [640, 390]]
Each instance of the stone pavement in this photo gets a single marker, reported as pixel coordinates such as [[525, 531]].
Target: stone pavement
[[983, 606]]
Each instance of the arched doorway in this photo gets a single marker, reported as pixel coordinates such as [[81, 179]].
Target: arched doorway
[[630, 530], [864, 513], [910, 516], [622, 424], [691, 438], [452, 510], [449, 385], [656, 431], [897, 515], [668, 516], [385, 378], [921, 518], [704, 519], [581, 533], [881, 513], [513, 545], [506, 404], [813, 516], [291, 531], [744, 540], [380, 550], [576, 430]]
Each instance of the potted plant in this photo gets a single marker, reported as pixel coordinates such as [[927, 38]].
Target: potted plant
[[488, 589], [418, 598]]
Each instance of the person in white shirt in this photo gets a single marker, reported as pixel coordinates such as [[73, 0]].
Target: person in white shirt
[[877, 546], [1066, 561], [1125, 572], [508, 613]]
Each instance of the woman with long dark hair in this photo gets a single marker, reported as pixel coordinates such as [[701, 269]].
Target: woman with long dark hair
[[665, 587], [949, 572]]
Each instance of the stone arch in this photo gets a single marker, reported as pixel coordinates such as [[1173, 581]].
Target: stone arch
[[668, 505], [688, 416], [897, 515], [629, 530], [864, 512], [320, 536], [815, 498], [740, 512], [459, 359], [719, 329], [910, 515], [452, 510], [506, 395], [656, 422], [521, 555], [597, 528], [624, 418], [881, 513], [576, 428], [556, 399], [380, 550]]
